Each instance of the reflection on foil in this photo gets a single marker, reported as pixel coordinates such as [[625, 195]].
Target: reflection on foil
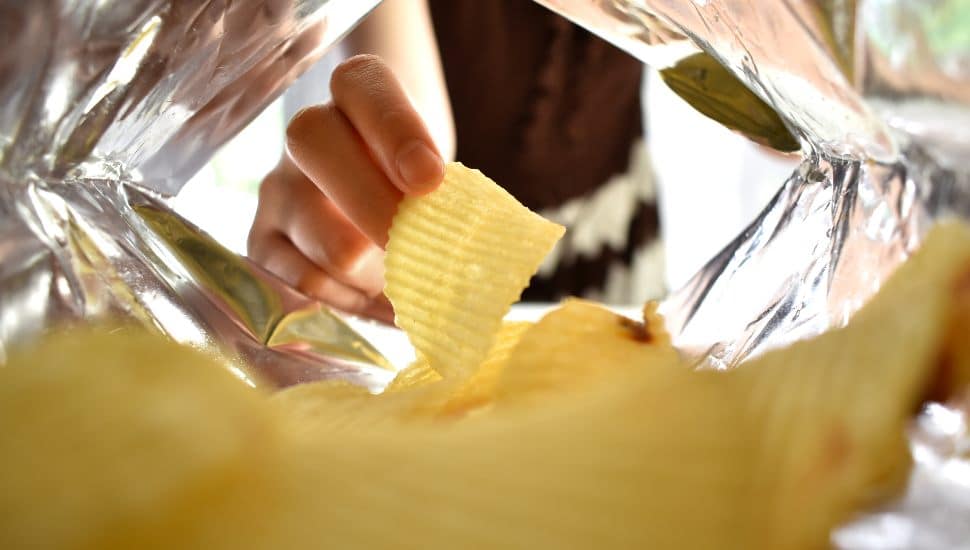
[[826, 242], [781, 53], [235, 286], [878, 92], [692, 74], [105, 107], [711, 89], [315, 330]]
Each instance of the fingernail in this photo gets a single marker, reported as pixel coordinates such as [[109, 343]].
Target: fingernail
[[419, 166]]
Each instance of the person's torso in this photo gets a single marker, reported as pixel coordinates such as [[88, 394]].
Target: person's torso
[[552, 113]]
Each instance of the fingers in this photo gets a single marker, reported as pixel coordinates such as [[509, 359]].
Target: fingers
[[325, 212], [369, 94], [367, 147], [291, 205], [380, 308], [278, 255], [324, 146], [321, 233]]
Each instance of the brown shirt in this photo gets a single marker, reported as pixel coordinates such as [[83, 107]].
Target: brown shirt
[[547, 110]]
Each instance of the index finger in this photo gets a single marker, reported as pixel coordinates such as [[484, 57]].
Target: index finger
[[370, 96]]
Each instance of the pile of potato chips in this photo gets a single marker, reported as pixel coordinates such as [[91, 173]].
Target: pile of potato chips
[[582, 430]]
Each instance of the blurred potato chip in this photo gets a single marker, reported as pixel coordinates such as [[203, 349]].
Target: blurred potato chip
[[830, 413], [418, 373], [610, 467], [417, 393], [772, 455], [332, 407], [456, 260], [577, 343], [330, 404], [954, 379], [126, 440], [479, 391]]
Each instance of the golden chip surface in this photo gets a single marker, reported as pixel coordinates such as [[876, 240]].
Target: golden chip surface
[[457, 259]]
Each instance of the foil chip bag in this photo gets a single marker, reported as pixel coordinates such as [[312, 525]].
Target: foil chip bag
[[106, 109]]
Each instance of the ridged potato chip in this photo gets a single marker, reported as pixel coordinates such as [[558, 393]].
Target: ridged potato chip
[[456, 260], [418, 373], [479, 391], [418, 392]]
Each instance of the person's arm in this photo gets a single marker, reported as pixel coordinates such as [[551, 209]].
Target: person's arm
[[401, 33]]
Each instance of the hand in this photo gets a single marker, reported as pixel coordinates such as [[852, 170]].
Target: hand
[[325, 210]]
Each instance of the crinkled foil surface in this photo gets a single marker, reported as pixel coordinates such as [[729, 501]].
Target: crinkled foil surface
[[878, 94], [106, 108]]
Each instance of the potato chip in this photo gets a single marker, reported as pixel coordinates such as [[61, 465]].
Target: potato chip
[[772, 455], [457, 259], [479, 390], [135, 443], [333, 404], [418, 373], [580, 341], [605, 468], [954, 375], [418, 392], [126, 440], [830, 413]]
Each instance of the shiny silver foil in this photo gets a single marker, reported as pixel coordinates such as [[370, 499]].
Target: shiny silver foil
[[106, 108], [878, 93]]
